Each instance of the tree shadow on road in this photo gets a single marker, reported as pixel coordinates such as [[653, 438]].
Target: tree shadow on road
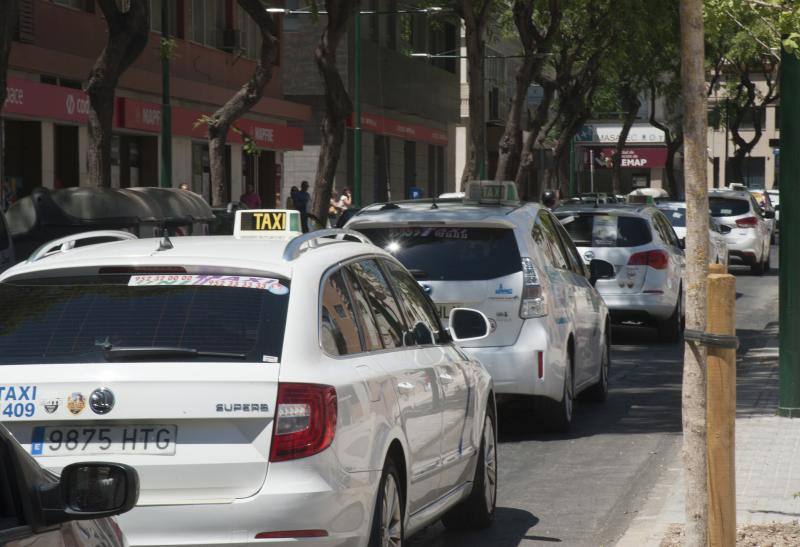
[[511, 527]]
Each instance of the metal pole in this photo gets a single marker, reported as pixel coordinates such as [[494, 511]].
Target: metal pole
[[357, 113], [572, 167], [166, 111], [789, 320], [591, 169]]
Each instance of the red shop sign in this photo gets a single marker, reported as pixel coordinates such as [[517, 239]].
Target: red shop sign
[[632, 158], [402, 130], [144, 116], [29, 98]]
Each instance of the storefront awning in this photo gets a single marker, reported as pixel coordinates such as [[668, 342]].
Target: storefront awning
[[43, 101], [401, 130]]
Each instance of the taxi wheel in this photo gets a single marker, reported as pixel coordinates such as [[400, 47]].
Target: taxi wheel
[[670, 330], [478, 509], [556, 416], [387, 519], [758, 268], [598, 393]]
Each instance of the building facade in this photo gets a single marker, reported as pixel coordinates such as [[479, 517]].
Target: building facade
[[46, 134], [409, 100]]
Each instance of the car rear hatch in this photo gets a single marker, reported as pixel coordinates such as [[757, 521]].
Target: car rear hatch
[[463, 266], [615, 237], [734, 213], [174, 375]]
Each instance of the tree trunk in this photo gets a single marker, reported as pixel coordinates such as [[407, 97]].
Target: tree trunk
[[8, 24], [476, 134], [536, 47], [673, 146], [632, 103], [527, 159], [337, 104], [128, 32], [695, 168], [244, 99]]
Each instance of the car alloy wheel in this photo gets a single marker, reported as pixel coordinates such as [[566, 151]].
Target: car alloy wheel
[[489, 464], [391, 515]]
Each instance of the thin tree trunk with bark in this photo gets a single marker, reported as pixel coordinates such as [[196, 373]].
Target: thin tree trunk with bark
[[527, 161], [631, 104], [128, 32], [674, 142], [694, 368], [536, 47], [248, 95], [337, 104]]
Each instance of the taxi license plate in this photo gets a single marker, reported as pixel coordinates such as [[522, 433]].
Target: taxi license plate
[[445, 309], [86, 440]]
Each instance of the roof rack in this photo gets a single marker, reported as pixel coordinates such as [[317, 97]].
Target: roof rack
[[311, 240], [66, 243]]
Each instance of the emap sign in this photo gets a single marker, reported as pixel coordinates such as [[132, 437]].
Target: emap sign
[[639, 134]]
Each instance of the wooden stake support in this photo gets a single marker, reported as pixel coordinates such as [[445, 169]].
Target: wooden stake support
[[721, 412]]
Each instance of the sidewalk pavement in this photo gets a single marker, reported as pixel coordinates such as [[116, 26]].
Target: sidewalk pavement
[[767, 453]]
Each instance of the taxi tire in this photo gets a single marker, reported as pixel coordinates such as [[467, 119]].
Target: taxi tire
[[757, 268], [669, 331], [557, 416], [598, 393], [473, 512], [376, 536]]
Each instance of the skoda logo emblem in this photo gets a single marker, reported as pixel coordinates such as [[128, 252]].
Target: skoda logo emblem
[[427, 288], [101, 401]]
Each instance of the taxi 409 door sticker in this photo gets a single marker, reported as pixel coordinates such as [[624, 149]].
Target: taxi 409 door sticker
[[17, 401]]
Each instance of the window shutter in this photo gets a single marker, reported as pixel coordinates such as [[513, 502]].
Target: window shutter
[[26, 29]]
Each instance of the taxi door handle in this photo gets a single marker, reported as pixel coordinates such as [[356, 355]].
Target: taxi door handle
[[405, 387], [446, 378]]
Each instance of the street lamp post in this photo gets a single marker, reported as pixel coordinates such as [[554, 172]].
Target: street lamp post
[[166, 109], [357, 113]]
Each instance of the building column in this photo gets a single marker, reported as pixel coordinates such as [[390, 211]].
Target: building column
[[48, 155], [236, 172], [83, 151]]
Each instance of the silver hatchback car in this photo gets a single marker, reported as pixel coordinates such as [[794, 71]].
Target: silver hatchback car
[[647, 257], [750, 234]]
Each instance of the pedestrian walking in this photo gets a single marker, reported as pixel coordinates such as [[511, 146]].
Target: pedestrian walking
[[250, 198], [290, 199], [345, 200], [301, 200]]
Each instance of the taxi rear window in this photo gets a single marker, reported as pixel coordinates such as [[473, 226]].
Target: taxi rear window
[[728, 207], [606, 229], [451, 253], [77, 319]]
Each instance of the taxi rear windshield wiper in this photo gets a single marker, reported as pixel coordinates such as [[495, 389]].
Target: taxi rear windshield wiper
[[112, 353]]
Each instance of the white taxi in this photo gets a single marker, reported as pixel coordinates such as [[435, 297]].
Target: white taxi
[[550, 335], [267, 386]]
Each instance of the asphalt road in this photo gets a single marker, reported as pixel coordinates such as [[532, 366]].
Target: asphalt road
[[584, 488]]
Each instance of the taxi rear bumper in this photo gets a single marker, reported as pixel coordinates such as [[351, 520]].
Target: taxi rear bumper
[[514, 369], [297, 496]]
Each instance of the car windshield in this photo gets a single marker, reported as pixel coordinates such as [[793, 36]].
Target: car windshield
[[451, 253], [676, 216], [728, 207], [606, 229], [79, 319]]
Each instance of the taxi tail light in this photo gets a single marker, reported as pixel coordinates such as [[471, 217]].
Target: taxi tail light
[[305, 421], [534, 301], [291, 534], [658, 260], [747, 222], [540, 363]]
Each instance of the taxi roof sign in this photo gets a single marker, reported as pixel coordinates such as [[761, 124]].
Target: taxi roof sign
[[490, 192], [267, 223]]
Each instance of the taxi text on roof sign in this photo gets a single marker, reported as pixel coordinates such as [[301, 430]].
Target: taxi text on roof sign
[[267, 223], [490, 192]]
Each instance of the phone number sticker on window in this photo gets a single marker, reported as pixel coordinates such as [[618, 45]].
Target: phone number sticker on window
[[235, 281]]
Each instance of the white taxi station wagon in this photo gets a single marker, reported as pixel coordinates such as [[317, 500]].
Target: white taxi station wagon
[[268, 386], [550, 329]]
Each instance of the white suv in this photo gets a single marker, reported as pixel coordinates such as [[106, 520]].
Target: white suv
[[266, 386], [514, 262], [750, 232]]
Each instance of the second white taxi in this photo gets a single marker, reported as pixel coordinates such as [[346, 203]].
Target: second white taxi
[[267, 386]]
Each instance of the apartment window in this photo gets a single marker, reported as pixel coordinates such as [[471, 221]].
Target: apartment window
[[208, 21], [250, 35], [174, 15]]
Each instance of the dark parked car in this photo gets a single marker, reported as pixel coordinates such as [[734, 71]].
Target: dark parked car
[[39, 508]]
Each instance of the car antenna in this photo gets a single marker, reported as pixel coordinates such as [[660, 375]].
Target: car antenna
[[165, 244]]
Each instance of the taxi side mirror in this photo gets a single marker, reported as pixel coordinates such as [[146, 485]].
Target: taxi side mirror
[[467, 325], [769, 213]]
